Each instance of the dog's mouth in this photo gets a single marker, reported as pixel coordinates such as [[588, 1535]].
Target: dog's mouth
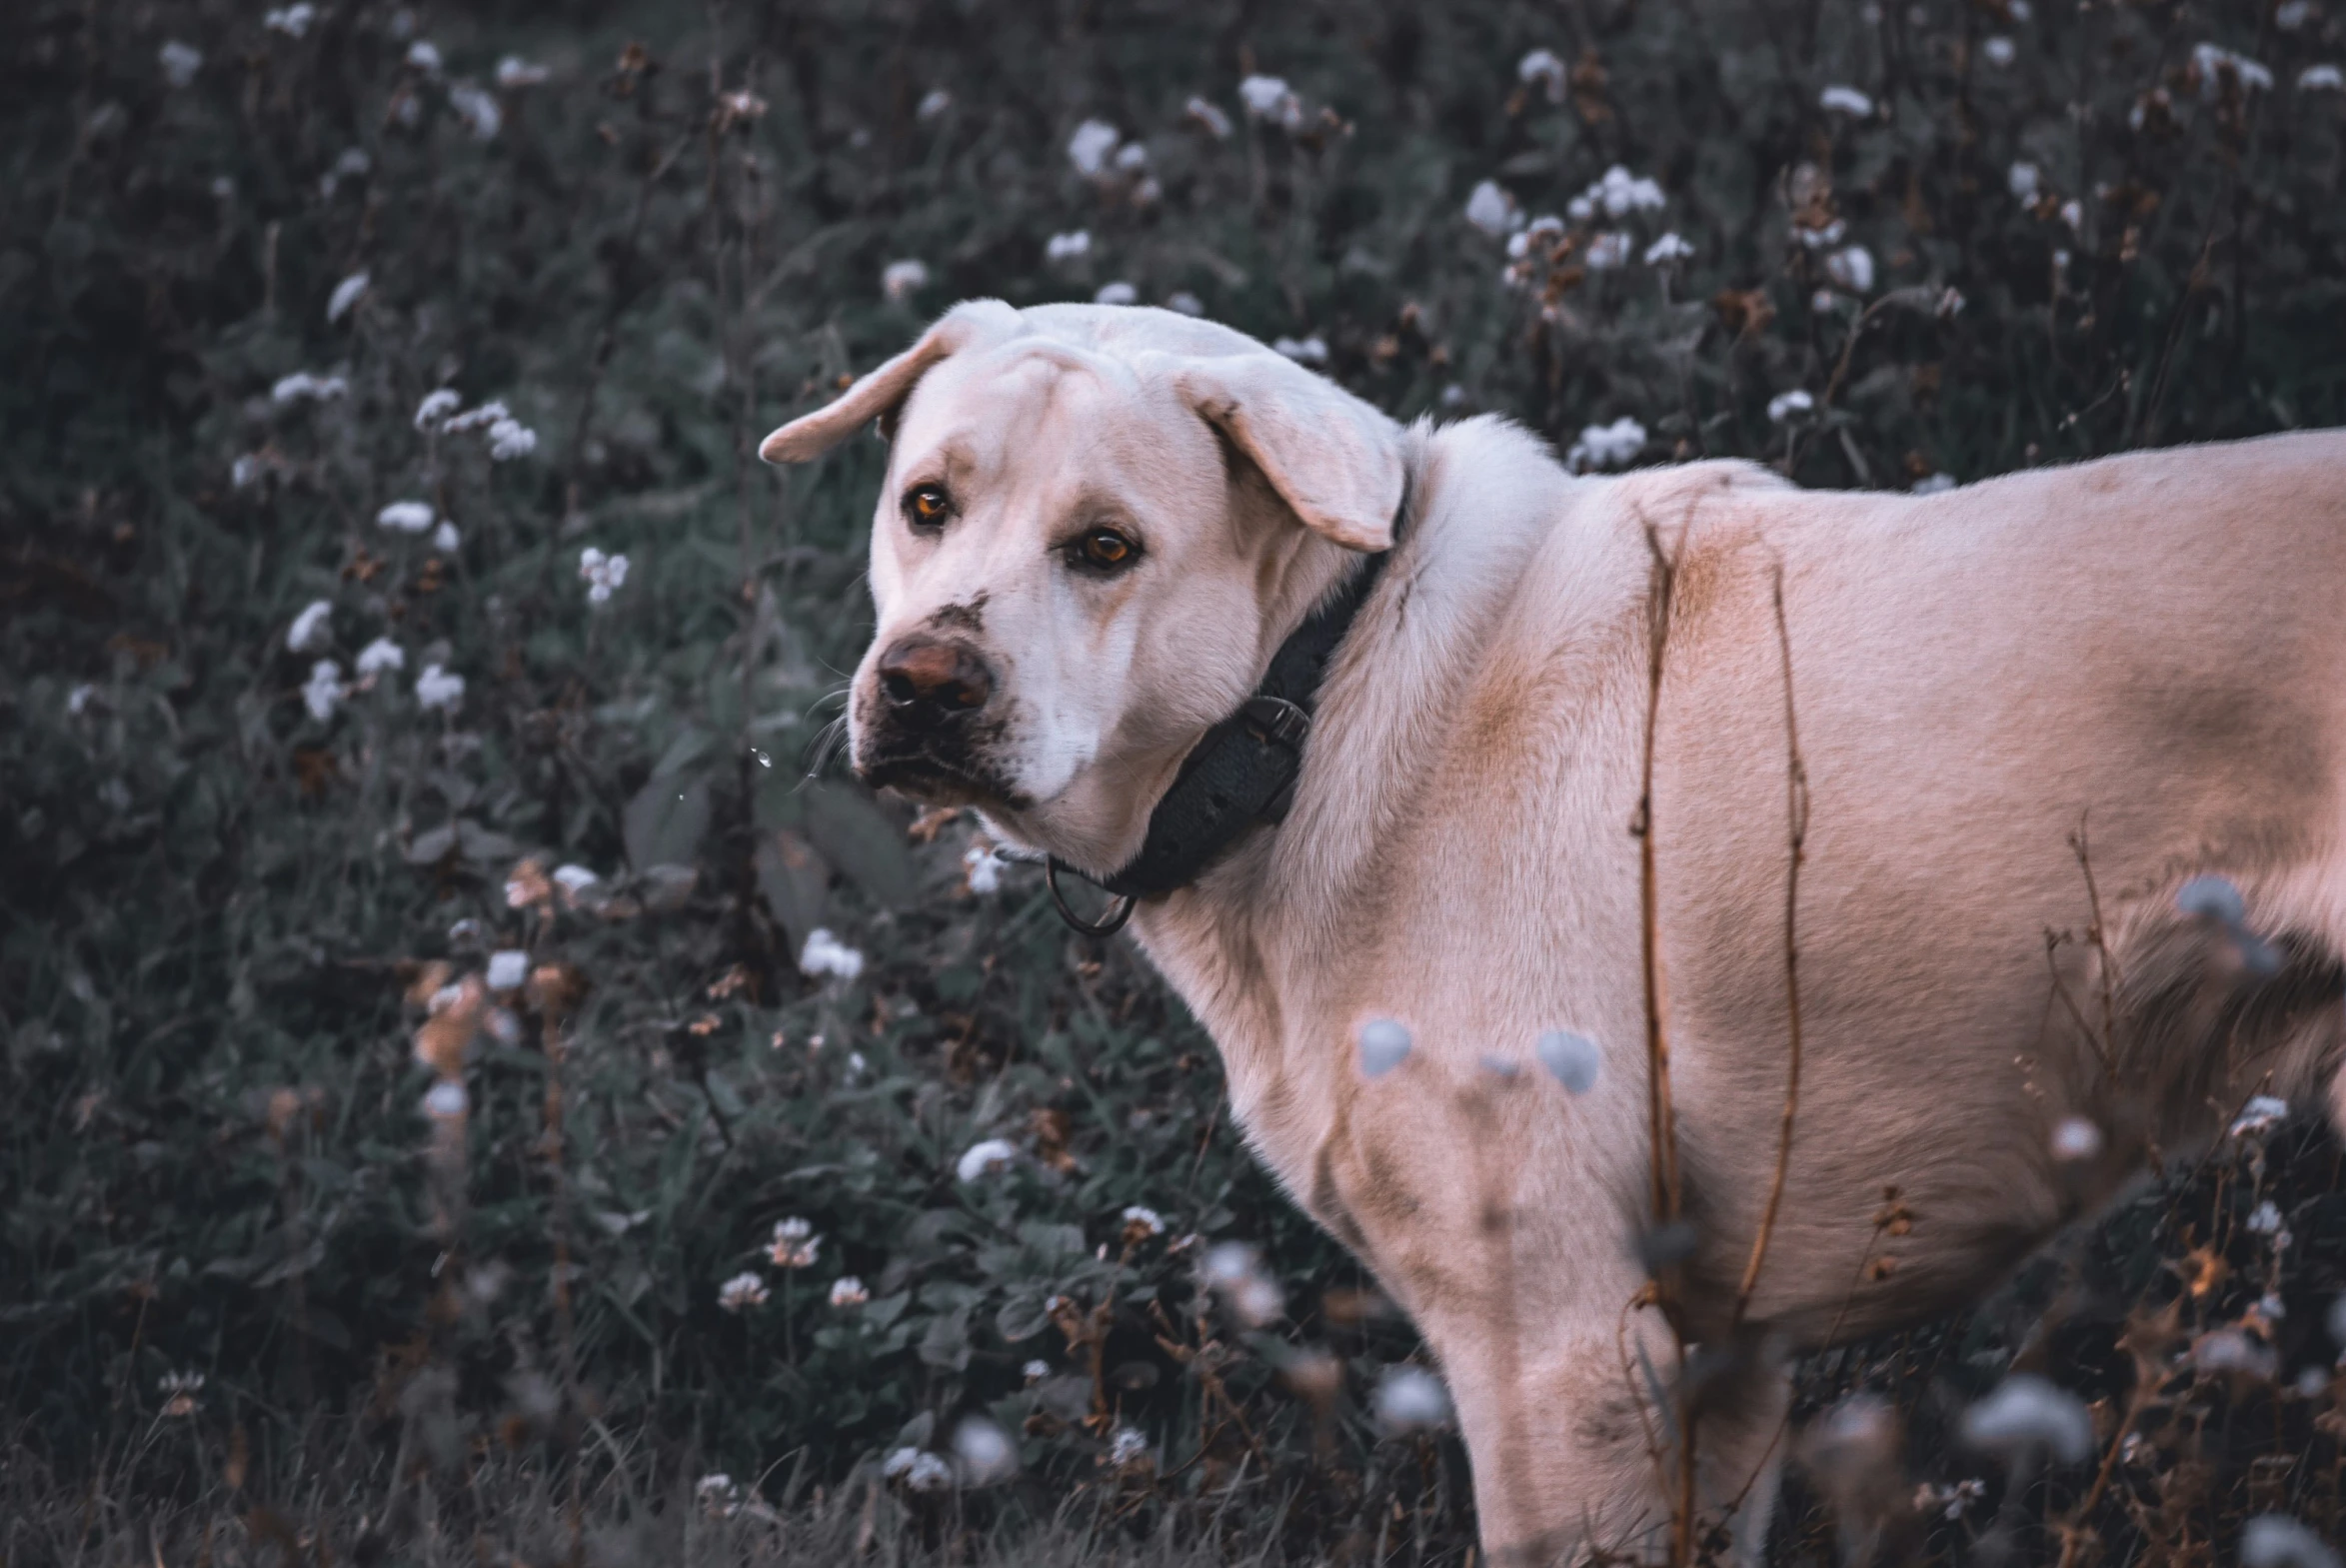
[[935, 780]]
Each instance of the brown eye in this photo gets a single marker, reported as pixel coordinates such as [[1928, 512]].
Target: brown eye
[[1106, 549], [927, 505]]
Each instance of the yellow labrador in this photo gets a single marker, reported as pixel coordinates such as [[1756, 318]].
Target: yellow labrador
[[2040, 718]]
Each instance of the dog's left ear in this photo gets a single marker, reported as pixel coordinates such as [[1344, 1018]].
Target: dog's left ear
[[882, 392], [1334, 460]]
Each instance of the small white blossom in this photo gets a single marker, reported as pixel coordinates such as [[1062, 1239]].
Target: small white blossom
[[447, 1100], [1208, 114], [917, 1469], [380, 654], [1090, 147], [718, 1495], [2020, 10], [983, 1160], [406, 516], [1607, 446], [1270, 99], [437, 687], [1146, 1220], [1621, 193], [301, 384], [246, 470], [604, 575], [824, 953], [445, 538], [743, 1291], [77, 701], [1784, 405], [1490, 209], [2262, 1113], [1126, 1448], [437, 406], [575, 879], [1542, 66], [1410, 1399], [353, 163], [479, 110], [1851, 268], [1934, 484], [933, 103], [424, 55], [1845, 100], [181, 61], [1117, 293], [2076, 1140], [2073, 214], [510, 438], [1818, 239], [291, 20], [986, 1451], [1035, 1371], [1067, 246], [795, 1244], [513, 71], [2321, 79], [899, 280], [2023, 1413], [983, 869], [346, 294], [1303, 351], [2000, 51], [2023, 180], [2292, 15], [849, 1291], [2278, 1541], [1186, 303], [1669, 248], [2210, 61], [509, 969], [313, 628], [2266, 1221], [324, 691], [1608, 250]]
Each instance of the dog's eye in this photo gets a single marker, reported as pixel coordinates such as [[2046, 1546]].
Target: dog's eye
[[1105, 549], [927, 505]]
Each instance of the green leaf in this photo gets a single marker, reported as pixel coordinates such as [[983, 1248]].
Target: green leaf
[[859, 838], [795, 882], [665, 822]]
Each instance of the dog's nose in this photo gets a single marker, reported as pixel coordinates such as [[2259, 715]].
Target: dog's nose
[[929, 682]]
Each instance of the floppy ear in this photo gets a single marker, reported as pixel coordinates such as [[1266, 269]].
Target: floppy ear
[[1333, 459], [883, 390]]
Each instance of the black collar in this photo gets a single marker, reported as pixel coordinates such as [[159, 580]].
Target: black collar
[[1242, 772]]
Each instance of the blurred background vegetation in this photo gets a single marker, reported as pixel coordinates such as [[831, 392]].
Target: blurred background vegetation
[[440, 946]]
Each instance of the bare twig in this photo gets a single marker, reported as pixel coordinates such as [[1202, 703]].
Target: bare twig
[[2098, 934]]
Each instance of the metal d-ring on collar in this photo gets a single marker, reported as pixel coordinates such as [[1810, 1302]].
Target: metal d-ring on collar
[[1106, 926]]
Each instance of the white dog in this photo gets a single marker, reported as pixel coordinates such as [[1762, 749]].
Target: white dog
[[2031, 712]]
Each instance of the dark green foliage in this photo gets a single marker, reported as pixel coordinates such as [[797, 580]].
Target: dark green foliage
[[222, 911]]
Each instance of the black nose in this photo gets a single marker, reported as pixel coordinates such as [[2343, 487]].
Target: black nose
[[929, 682]]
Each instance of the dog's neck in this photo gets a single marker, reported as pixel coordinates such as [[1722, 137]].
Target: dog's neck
[[1257, 945]]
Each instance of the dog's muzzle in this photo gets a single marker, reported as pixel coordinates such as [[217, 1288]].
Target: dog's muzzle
[[930, 721]]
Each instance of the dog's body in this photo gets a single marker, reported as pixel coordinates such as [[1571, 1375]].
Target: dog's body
[[2016, 704]]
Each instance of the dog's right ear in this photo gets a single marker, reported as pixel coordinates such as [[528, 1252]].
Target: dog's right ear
[[882, 392]]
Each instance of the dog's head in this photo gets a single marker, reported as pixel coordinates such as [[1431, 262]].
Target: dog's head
[[1096, 524]]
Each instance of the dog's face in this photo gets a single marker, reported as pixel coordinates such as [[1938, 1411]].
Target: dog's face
[[1095, 524]]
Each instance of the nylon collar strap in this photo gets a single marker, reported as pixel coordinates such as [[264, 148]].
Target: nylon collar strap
[[1244, 771]]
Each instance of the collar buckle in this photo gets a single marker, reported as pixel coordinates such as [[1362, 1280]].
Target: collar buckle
[[1276, 721]]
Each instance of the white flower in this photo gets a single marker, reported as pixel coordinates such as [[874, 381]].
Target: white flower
[[446, 1100], [2023, 180], [445, 538], [513, 71], [1669, 248], [982, 867], [508, 439], [1303, 351], [424, 55], [740, 1292], [2020, 10], [77, 701], [1208, 114], [509, 969], [1186, 303], [919, 1470], [1117, 293], [313, 628], [380, 654], [436, 688], [292, 20], [406, 516], [1608, 251], [1542, 66], [1126, 1447], [479, 110], [179, 1382], [436, 407], [1607, 446], [1818, 239], [2262, 1113], [2292, 15], [899, 280], [1409, 1398], [2024, 1412], [181, 61], [2073, 214], [324, 691], [824, 953], [1268, 98], [346, 294], [1148, 1221], [246, 470], [1090, 147], [981, 1160], [575, 879], [985, 1450], [1620, 193], [1068, 246], [1035, 1371], [718, 1495], [1845, 100], [1490, 209], [1998, 51], [604, 575], [1934, 484], [934, 102], [475, 418], [849, 1291], [2320, 79], [1851, 268], [301, 384], [795, 1244], [2278, 1541], [2266, 1221], [2210, 62], [1784, 405], [353, 162]]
